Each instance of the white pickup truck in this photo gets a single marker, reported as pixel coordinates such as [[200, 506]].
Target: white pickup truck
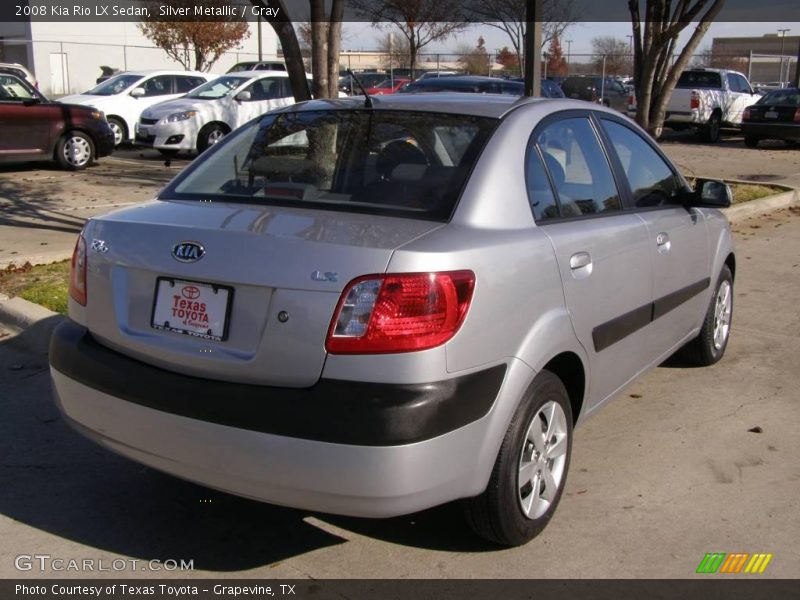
[[709, 99]]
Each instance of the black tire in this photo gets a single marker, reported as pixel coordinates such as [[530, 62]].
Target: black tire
[[751, 141], [497, 515], [169, 152], [119, 129], [75, 151], [705, 350], [210, 135], [712, 129]]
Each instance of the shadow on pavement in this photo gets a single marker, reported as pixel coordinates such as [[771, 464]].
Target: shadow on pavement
[[54, 480]]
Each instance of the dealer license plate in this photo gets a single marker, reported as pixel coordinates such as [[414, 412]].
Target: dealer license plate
[[196, 309]]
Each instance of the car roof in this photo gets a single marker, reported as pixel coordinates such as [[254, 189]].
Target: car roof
[[478, 105], [145, 73]]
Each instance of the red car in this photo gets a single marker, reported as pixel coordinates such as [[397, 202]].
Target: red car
[[34, 128], [387, 86]]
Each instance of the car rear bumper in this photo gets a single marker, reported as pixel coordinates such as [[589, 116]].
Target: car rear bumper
[[352, 448], [779, 131]]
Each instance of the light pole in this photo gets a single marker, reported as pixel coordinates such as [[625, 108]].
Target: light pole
[[783, 37], [569, 47]]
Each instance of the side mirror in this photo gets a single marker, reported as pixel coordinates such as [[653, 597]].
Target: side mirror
[[243, 96], [138, 92], [710, 193]]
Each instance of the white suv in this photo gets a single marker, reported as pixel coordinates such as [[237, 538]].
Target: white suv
[[123, 97]]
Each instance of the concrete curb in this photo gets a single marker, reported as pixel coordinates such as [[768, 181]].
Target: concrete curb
[[32, 323], [36, 259], [740, 212]]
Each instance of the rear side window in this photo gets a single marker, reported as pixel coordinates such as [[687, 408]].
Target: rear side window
[[383, 162], [651, 180], [540, 193], [185, 84], [578, 168], [700, 79]]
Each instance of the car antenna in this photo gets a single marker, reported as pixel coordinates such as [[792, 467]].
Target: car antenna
[[368, 101]]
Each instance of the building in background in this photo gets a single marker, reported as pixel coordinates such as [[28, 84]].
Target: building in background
[[769, 58], [66, 57]]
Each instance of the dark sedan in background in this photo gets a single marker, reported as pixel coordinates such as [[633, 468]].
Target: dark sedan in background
[[775, 116], [34, 128], [479, 85]]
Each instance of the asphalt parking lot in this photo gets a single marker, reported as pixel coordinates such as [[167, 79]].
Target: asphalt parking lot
[[685, 462]]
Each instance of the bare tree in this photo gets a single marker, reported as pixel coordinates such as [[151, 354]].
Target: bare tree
[[395, 50], [420, 21], [474, 59], [617, 53], [194, 44], [510, 16], [655, 72]]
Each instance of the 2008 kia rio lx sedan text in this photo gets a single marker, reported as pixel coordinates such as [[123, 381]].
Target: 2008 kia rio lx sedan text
[[372, 310]]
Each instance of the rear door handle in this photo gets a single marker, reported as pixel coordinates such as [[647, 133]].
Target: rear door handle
[[580, 260], [663, 243]]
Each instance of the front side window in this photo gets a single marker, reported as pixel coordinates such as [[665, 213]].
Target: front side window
[[578, 168], [388, 162], [185, 84], [158, 86], [115, 85], [218, 88], [12, 88], [651, 180]]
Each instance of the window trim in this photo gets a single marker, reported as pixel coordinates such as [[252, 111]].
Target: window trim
[[628, 201], [599, 134]]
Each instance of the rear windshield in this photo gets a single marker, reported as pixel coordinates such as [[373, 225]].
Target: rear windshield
[[707, 80], [782, 98], [411, 164]]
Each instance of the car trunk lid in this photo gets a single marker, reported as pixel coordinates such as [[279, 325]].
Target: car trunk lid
[[269, 277]]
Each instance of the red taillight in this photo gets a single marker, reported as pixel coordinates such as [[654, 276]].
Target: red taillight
[[695, 100], [77, 273], [400, 313], [797, 115], [746, 114]]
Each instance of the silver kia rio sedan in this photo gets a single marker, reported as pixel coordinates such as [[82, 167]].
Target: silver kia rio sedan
[[372, 310]]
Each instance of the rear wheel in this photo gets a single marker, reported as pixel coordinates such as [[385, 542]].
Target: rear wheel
[[531, 468], [75, 151], [210, 135], [712, 129], [751, 141], [709, 345]]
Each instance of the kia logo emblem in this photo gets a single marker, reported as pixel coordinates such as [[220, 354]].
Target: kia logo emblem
[[190, 292], [188, 252]]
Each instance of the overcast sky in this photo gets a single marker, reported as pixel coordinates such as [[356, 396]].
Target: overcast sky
[[362, 36]]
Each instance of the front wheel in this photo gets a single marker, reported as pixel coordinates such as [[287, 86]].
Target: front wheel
[[75, 151], [530, 470], [209, 135], [119, 130], [709, 345]]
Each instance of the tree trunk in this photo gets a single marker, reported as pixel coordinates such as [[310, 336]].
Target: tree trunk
[[334, 47], [291, 49], [319, 48]]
